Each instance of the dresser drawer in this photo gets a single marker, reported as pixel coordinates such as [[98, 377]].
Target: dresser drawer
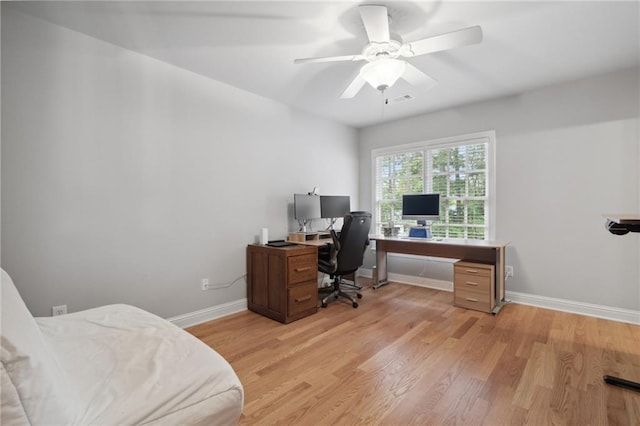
[[472, 282], [472, 299], [302, 298], [302, 268]]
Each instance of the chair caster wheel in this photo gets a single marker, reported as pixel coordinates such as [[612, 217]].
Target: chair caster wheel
[[323, 304], [359, 296], [355, 304]]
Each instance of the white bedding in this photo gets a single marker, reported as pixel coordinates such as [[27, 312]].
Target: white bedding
[[131, 367], [113, 365]]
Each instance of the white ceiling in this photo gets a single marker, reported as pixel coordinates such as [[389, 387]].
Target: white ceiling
[[252, 45]]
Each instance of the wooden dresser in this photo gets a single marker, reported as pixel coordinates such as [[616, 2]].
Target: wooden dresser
[[474, 285], [282, 282]]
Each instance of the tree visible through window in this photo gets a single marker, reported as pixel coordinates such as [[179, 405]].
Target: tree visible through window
[[458, 170]]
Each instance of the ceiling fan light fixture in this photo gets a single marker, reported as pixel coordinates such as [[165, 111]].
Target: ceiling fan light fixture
[[383, 73]]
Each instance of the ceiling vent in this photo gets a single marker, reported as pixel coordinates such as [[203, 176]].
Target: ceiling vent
[[399, 99]]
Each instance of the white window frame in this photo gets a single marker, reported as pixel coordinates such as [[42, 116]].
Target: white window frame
[[467, 139]]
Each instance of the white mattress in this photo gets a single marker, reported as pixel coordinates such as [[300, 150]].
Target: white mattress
[[131, 367]]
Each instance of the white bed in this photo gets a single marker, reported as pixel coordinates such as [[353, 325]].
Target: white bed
[[113, 365]]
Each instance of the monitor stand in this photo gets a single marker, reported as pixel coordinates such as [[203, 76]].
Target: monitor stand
[[333, 221], [303, 224]]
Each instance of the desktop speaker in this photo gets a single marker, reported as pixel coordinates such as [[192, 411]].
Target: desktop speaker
[[264, 236]]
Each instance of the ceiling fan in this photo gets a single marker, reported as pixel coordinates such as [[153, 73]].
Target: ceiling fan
[[383, 67]]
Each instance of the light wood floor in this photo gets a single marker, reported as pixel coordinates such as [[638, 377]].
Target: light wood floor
[[407, 356]]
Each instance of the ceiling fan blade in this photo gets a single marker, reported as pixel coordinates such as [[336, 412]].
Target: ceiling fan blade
[[376, 22], [353, 88], [416, 77], [329, 59], [442, 42]]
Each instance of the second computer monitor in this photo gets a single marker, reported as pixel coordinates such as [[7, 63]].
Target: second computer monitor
[[334, 206]]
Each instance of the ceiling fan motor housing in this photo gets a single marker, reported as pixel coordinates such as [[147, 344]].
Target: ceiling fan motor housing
[[376, 50]]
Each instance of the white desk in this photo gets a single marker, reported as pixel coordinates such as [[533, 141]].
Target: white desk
[[484, 251]]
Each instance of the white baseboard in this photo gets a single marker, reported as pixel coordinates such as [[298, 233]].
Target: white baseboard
[[582, 308], [208, 314]]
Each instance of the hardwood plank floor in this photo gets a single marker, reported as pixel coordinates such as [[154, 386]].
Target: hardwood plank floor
[[407, 356]]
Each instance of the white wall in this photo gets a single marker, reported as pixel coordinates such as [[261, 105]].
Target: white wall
[[565, 155], [125, 179]]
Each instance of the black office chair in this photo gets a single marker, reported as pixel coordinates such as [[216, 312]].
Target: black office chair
[[345, 256]]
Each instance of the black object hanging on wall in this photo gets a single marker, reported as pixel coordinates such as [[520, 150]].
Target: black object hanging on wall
[[621, 228]]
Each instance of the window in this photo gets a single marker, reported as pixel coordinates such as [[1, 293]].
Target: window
[[460, 169]]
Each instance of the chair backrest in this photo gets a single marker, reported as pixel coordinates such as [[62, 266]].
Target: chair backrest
[[354, 239]]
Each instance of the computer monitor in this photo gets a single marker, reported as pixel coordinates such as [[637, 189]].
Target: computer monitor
[[421, 207], [334, 206], [305, 208]]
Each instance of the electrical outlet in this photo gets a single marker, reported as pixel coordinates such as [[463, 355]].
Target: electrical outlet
[[59, 310], [508, 270], [205, 284]]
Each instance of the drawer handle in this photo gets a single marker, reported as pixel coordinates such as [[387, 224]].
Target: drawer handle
[[303, 269], [471, 283], [471, 299], [471, 271], [302, 299]]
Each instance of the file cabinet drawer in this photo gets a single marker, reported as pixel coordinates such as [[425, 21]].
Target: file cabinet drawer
[[473, 282], [476, 269], [303, 298], [472, 299], [302, 268]]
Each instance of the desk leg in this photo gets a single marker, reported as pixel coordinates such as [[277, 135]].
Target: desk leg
[[500, 271], [381, 266]]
